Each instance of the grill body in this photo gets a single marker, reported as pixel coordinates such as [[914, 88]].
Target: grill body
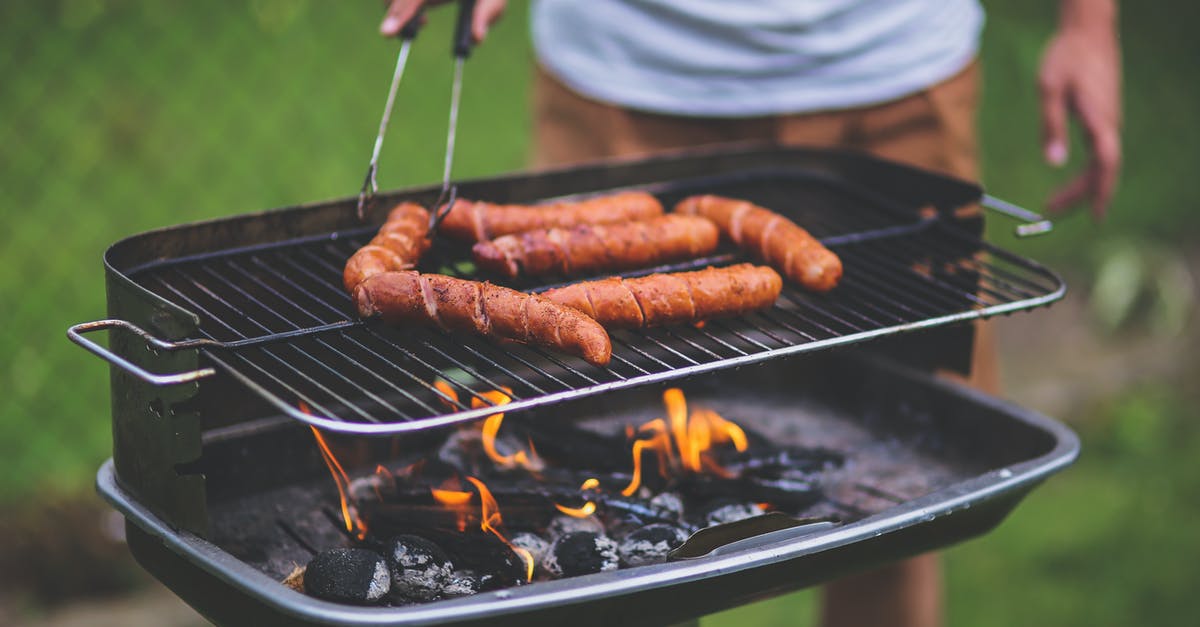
[[182, 452], [998, 452]]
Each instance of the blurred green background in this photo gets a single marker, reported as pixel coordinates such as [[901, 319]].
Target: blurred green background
[[119, 116]]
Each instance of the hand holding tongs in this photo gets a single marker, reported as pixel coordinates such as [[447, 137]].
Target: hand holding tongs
[[462, 48]]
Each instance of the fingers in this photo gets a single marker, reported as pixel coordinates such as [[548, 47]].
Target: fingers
[[1101, 127], [1074, 192], [486, 14], [1054, 119], [398, 14]]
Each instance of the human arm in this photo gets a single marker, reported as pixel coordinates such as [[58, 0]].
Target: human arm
[[1081, 75], [401, 11]]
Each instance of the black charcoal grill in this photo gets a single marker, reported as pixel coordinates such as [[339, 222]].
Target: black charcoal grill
[[247, 319]]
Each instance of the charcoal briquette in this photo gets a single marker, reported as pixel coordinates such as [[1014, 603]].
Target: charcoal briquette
[[581, 553], [420, 568], [563, 524], [355, 576], [462, 583], [650, 544], [668, 501], [536, 546]]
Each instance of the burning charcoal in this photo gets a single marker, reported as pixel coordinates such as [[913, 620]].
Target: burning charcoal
[[581, 553], [462, 583], [650, 544], [668, 502], [536, 546], [463, 451], [348, 575], [725, 512], [562, 525], [420, 569]]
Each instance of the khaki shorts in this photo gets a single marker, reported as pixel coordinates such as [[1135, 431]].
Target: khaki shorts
[[932, 129]]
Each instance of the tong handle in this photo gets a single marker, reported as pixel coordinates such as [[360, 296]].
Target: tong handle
[[1035, 224], [75, 333], [463, 38], [413, 25]]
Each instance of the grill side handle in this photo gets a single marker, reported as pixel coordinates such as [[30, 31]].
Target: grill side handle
[[1035, 224], [76, 334]]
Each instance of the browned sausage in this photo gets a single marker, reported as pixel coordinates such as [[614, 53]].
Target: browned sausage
[[674, 298], [482, 308], [399, 244], [476, 221], [771, 237], [590, 248]]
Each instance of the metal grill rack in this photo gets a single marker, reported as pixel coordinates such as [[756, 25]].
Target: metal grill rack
[[276, 316]]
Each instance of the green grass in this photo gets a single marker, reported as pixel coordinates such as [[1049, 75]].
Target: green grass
[[118, 116]]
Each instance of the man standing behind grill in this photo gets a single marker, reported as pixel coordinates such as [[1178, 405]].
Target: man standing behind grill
[[896, 78]]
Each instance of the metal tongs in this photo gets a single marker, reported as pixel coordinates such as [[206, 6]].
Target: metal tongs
[[462, 49]]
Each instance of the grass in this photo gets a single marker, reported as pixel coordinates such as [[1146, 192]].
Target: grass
[[119, 116]]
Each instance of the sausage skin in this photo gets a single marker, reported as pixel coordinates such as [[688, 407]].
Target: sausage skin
[[453, 304], [675, 298], [588, 248], [401, 241], [770, 237], [477, 221]]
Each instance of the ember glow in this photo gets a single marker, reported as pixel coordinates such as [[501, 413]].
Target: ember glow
[[493, 523], [683, 441]]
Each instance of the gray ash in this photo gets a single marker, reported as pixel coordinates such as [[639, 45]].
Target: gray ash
[[463, 583], [562, 525], [581, 553], [726, 512], [536, 546], [420, 569], [670, 502], [356, 576], [650, 544]]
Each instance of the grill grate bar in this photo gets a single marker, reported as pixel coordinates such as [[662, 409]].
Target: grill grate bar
[[281, 322], [282, 362], [271, 271], [321, 363]]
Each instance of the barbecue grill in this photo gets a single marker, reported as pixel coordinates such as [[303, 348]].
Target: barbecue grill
[[235, 332]]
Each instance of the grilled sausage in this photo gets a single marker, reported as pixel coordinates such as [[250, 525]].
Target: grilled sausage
[[476, 221], [401, 241], [771, 237], [598, 247], [675, 298], [482, 308]]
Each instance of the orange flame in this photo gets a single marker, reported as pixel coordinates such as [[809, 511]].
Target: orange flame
[[691, 436], [491, 427], [448, 392], [588, 508], [350, 517], [452, 498], [490, 513]]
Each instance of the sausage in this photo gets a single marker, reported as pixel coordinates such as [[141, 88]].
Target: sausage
[[772, 238], [675, 298], [598, 247], [476, 221], [401, 241], [489, 310]]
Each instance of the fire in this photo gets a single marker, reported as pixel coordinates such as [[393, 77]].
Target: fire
[[691, 436], [490, 513], [491, 427], [588, 508], [350, 517], [451, 397]]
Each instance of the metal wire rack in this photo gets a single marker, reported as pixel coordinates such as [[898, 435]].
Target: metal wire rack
[[276, 317]]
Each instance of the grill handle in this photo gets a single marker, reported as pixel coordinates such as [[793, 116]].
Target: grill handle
[[1035, 224], [75, 333]]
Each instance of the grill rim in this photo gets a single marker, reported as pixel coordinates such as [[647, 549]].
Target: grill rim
[[964, 499]]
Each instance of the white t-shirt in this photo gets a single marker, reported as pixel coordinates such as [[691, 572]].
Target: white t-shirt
[[743, 58]]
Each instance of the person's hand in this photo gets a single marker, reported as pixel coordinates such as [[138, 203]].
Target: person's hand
[[401, 11], [1081, 74]]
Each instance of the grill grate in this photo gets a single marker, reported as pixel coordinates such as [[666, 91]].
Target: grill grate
[[288, 330]]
